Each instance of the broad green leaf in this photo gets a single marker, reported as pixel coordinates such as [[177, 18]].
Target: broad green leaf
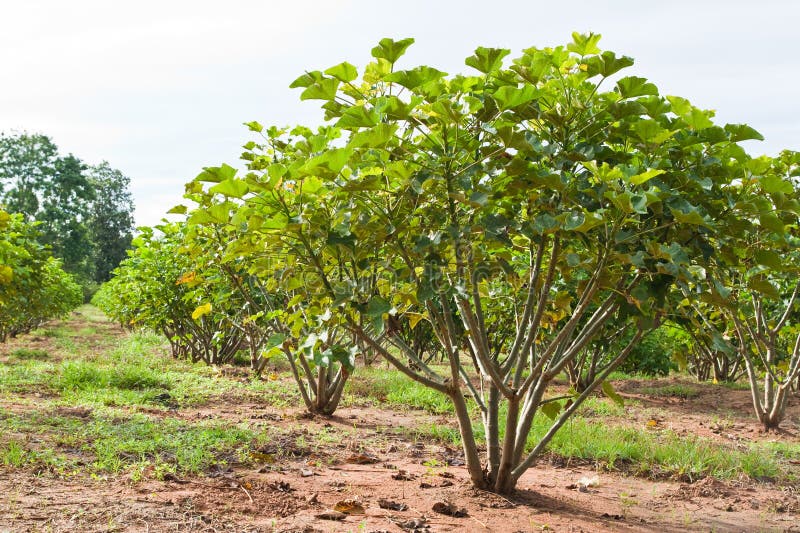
[[509, 97], [584, 44], [325, 89], [606, 64], [742, 132], [358, 117], [178, 210], [344, 72], [376, 137], [772, 222], [633, 86], [611, 394], [487, 60], [774, 184], [216, 174], [650, 131], [689, 216], [764, 287], [551, 409], [377, 306], [768, 258], [391, 50], [233, 188], [646, 176], [411, 79], [306, 80]]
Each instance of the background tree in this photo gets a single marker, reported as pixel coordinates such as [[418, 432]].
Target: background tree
[[86, 214], [110, 221], [27, 163]]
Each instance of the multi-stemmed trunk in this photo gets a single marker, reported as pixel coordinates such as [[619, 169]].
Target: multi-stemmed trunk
[[759, 343], [321, 387]]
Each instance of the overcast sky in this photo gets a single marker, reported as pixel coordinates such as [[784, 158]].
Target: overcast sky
[[161, 89]]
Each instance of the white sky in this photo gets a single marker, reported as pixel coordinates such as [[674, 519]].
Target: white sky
[[161, 89]]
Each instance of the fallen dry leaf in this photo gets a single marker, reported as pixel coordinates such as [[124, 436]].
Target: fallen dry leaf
[[349, 506], [402, 475], [330, 514], [363, 459], [449, 509], [392, 505]]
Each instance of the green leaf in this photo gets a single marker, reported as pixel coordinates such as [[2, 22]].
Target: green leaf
[[377, 306], [178, 210], [764, 287], [411, 79], [584, 44], [216, 174], [391, 50], [650, 131], [698, 119], [633, 86], [254, 126], [606, 64], [610, 393], [376, 137], [646, 176], [325, 89], [344, 72], [551, 409], [742, 132], [689, 215], [331, 161], [768, 258], [487, 60], [231, 187], [358, 117], [306, 80], [774, 184], [509, 97], [772, 222]]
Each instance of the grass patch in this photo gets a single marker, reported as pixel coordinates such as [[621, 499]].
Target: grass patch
[[392, 388], [675, 390], [26, 354], [115, 443]]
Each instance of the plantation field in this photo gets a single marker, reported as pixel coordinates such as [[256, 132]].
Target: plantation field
[[100, 430]]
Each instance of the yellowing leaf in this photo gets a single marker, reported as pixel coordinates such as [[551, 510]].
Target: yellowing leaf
[[201, 310], [186, 278], [414, 318]]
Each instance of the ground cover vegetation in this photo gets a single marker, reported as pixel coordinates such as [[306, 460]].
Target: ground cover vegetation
[[486, 234]]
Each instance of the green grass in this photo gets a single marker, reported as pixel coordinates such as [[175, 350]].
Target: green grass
[[113, 442], [595, 434], [674, 390], [391, 388], [30, 353]]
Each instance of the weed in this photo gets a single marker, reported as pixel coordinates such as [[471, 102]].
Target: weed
[[30, 353], [676, 390]]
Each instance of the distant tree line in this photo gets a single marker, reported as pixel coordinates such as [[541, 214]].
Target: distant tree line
[[84, 212]]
